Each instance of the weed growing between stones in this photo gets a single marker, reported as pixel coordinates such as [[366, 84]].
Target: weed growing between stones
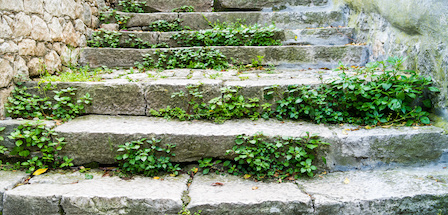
[[379, 94], [167, 26], [76, 74], [136, 159], [233, 34], [22, 104], [261, 157], [107, 17], [184, 9], [36, 147], [231, 105], [203, 58], [367, 98], [132, 6], [111, 39]]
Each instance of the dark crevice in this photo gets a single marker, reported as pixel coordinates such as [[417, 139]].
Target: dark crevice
[[302, 189], [61, 209], [142, 89]]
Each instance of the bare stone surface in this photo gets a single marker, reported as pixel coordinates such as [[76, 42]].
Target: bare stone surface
[[266, 4], [69, 35], [20, 67], [8, 179], [6, 72], [35, 66], [72, 193], [55, 29], [4, 94], [22, 25], [237, 196], [9, 47], [41, 49], [11, 5], [27, 47], [86, 16], [399, 191], [34, 6], [52, 62], [110, 27], [5, 30], [40, 30]]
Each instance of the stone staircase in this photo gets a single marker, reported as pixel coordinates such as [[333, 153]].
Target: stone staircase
[[398, 170]]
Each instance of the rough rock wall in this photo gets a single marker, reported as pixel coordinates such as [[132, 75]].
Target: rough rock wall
[[417, 29], [34, 33]]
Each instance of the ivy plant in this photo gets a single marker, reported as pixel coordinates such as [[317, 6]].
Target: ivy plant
[[33, 137], [167, 26], [146, 157], [22, 104], [132, 6], [184, 9]]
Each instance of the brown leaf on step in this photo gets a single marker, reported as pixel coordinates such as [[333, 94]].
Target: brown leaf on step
[[290, 178], [217, 184], [106, 174], [188, 185], [254, 188], [74, 182], [58, 122]]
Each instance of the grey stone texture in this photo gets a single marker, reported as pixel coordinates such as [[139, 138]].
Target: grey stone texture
[[240, 196], [398, 191], [96, 138], [266, 4], [169, 5], [72, 193], [9, 179], [283, 20], [294, 56]]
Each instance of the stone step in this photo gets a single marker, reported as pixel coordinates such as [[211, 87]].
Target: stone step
[[298, 57], [95, 138], [318, 36], [198, 21], [116, 95], [219, 5], [395, 191]]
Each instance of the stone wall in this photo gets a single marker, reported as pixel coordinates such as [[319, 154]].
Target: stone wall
[[417, 29], [39, 35]]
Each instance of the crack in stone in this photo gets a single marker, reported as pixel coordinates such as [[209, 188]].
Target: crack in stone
[[302, 189], [142, 89], [61, 209]]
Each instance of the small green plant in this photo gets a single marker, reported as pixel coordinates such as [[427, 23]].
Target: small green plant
[[167, 26], [24, 105], [367, 98], [112, 15], [33, 136], [231, 105], [150, 161], [132, 6], [235, 34], [135, 42], [263, 157], [105, 38], [202, 58], [185, 211], [77, 74], [184, 9]]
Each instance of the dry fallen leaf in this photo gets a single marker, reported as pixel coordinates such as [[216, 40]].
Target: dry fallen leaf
[[346, 181], [344, 133], [173, 175], [368, 127], [254, 188], [156, 178], [247, 176], [40, 171], [217, 184]]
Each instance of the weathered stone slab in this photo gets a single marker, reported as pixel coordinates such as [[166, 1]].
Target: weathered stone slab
[[238, 196], [71, 193], [169, 5], [107, 98], [266, 4], [400, 191], [9, 179], [96, 138], [283, 20], [293, 56]]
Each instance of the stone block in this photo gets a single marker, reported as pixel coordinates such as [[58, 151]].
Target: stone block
[[34, 6], [40, 30], [22, 25], [6, 73], [9, 5], [27, 47]]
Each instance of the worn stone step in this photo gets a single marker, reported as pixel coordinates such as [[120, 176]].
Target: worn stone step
[[318, 36], [123, 93], [275, 5], [297, 57], [72, 193], [395, 191], [283, 20], [235, 5], [8, 180], [95, 138]]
